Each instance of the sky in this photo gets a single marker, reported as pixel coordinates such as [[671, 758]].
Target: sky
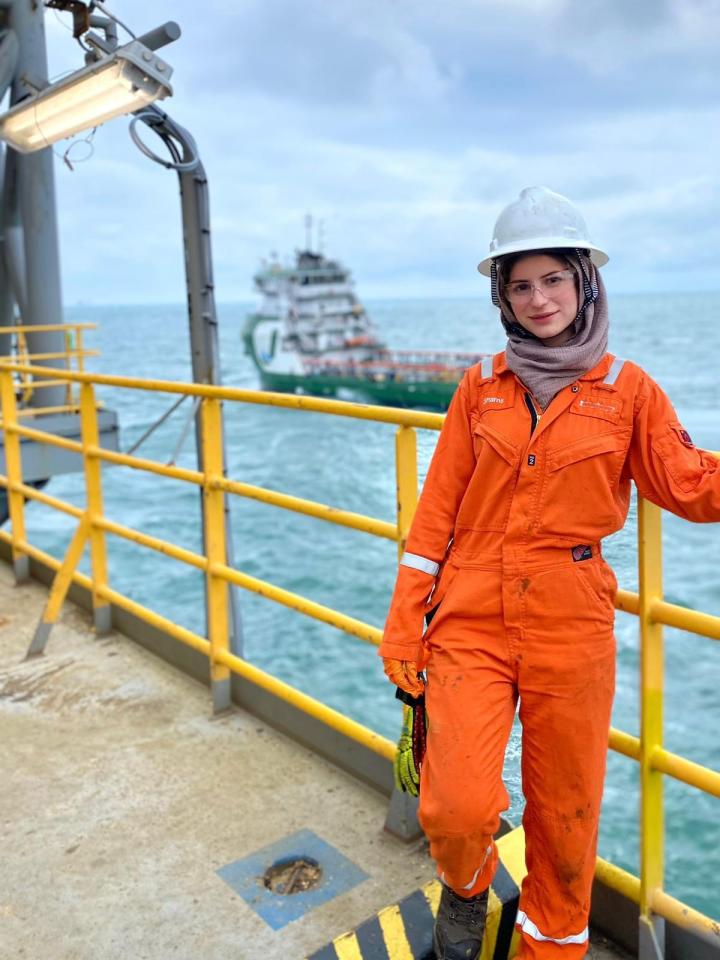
[[405, 126]]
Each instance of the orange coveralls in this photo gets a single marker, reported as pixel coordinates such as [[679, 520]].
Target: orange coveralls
[[504, 552]]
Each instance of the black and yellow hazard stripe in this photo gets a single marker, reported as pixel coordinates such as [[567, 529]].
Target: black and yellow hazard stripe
[[403, 931]]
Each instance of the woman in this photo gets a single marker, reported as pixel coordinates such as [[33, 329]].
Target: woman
[[531, 471]]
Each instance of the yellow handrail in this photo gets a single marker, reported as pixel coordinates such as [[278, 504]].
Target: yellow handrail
[[60, 355], [321, 511], [46, 327], [648, 604], [355, 411], [29, 381]]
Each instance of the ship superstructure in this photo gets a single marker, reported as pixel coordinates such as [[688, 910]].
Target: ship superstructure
[[310, 311]]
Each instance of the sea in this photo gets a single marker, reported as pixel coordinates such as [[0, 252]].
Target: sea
[[350, 464]]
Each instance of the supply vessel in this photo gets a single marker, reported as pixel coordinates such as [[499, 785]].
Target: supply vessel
[[311, 334]]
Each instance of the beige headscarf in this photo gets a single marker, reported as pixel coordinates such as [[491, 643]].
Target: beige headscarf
[[546, 370]]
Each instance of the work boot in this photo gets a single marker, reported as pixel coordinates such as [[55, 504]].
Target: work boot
[[459, 925]]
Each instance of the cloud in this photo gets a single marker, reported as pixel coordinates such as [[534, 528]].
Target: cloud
[[407, 127]]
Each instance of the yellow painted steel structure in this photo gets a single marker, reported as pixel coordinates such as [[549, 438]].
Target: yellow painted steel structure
[[74, 356], [93, 485], [648, 605]]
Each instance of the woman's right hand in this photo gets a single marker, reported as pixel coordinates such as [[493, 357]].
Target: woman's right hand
[[404, 674]]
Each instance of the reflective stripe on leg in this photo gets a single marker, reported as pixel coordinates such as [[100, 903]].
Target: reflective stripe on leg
[[469, 886], [527, 926]]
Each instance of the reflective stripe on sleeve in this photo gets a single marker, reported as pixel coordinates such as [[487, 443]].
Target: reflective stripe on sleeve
[[614, 372], [528, 927], [420, 563], [486, 367]]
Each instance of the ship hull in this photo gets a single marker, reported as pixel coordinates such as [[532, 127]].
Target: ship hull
[[432, 395], [425, 394]]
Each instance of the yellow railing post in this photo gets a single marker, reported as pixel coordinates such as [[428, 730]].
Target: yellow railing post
[[13, 471], [80, 359], [215, 548], [59, 589], [90, 437], [69, 353], [652, 835], [407, 482]]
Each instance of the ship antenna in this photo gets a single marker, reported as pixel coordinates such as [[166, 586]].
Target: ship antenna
[[321, 235], [308, 232]]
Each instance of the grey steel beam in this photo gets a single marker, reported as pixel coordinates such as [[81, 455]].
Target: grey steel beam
[[12, 233], [36, 189], [7, 305], [9, 49]]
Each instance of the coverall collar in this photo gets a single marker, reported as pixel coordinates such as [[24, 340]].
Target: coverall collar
[[565, 397], [598, 372]]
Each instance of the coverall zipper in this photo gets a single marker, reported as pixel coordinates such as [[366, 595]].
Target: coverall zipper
[[535, 416]]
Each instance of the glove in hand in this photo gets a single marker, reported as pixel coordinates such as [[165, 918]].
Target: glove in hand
[[411, 745], [404, 674]]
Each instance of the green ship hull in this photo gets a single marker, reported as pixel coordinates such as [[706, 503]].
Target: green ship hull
[[391, 393], [371, 387]]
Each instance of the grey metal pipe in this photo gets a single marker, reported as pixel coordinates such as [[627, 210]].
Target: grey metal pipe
[[15, 266], [161, 36], [109, 28], [36, 190], [7, 304], [9, 49], [13, 241], [204, 342]]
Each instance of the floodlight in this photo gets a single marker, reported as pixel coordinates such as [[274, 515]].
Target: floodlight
[[120, 82]]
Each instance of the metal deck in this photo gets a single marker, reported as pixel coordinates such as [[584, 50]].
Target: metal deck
[[123, 798]]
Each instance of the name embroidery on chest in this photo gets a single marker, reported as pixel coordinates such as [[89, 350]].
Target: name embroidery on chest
[[597, 405], [494, 400]]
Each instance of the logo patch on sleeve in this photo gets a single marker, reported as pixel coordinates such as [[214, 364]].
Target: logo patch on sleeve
[[581, 552], [684, 436]]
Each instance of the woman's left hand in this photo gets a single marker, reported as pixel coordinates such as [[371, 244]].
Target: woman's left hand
[[404, 674]]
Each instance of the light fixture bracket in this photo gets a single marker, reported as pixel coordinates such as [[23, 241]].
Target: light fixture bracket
[[80, 14], [121, 82]]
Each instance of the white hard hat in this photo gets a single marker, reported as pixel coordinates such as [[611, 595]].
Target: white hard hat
[[540, 220]]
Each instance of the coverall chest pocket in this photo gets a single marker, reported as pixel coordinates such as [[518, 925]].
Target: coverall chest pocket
[[493, 446], [486, 503], [580, 498]]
